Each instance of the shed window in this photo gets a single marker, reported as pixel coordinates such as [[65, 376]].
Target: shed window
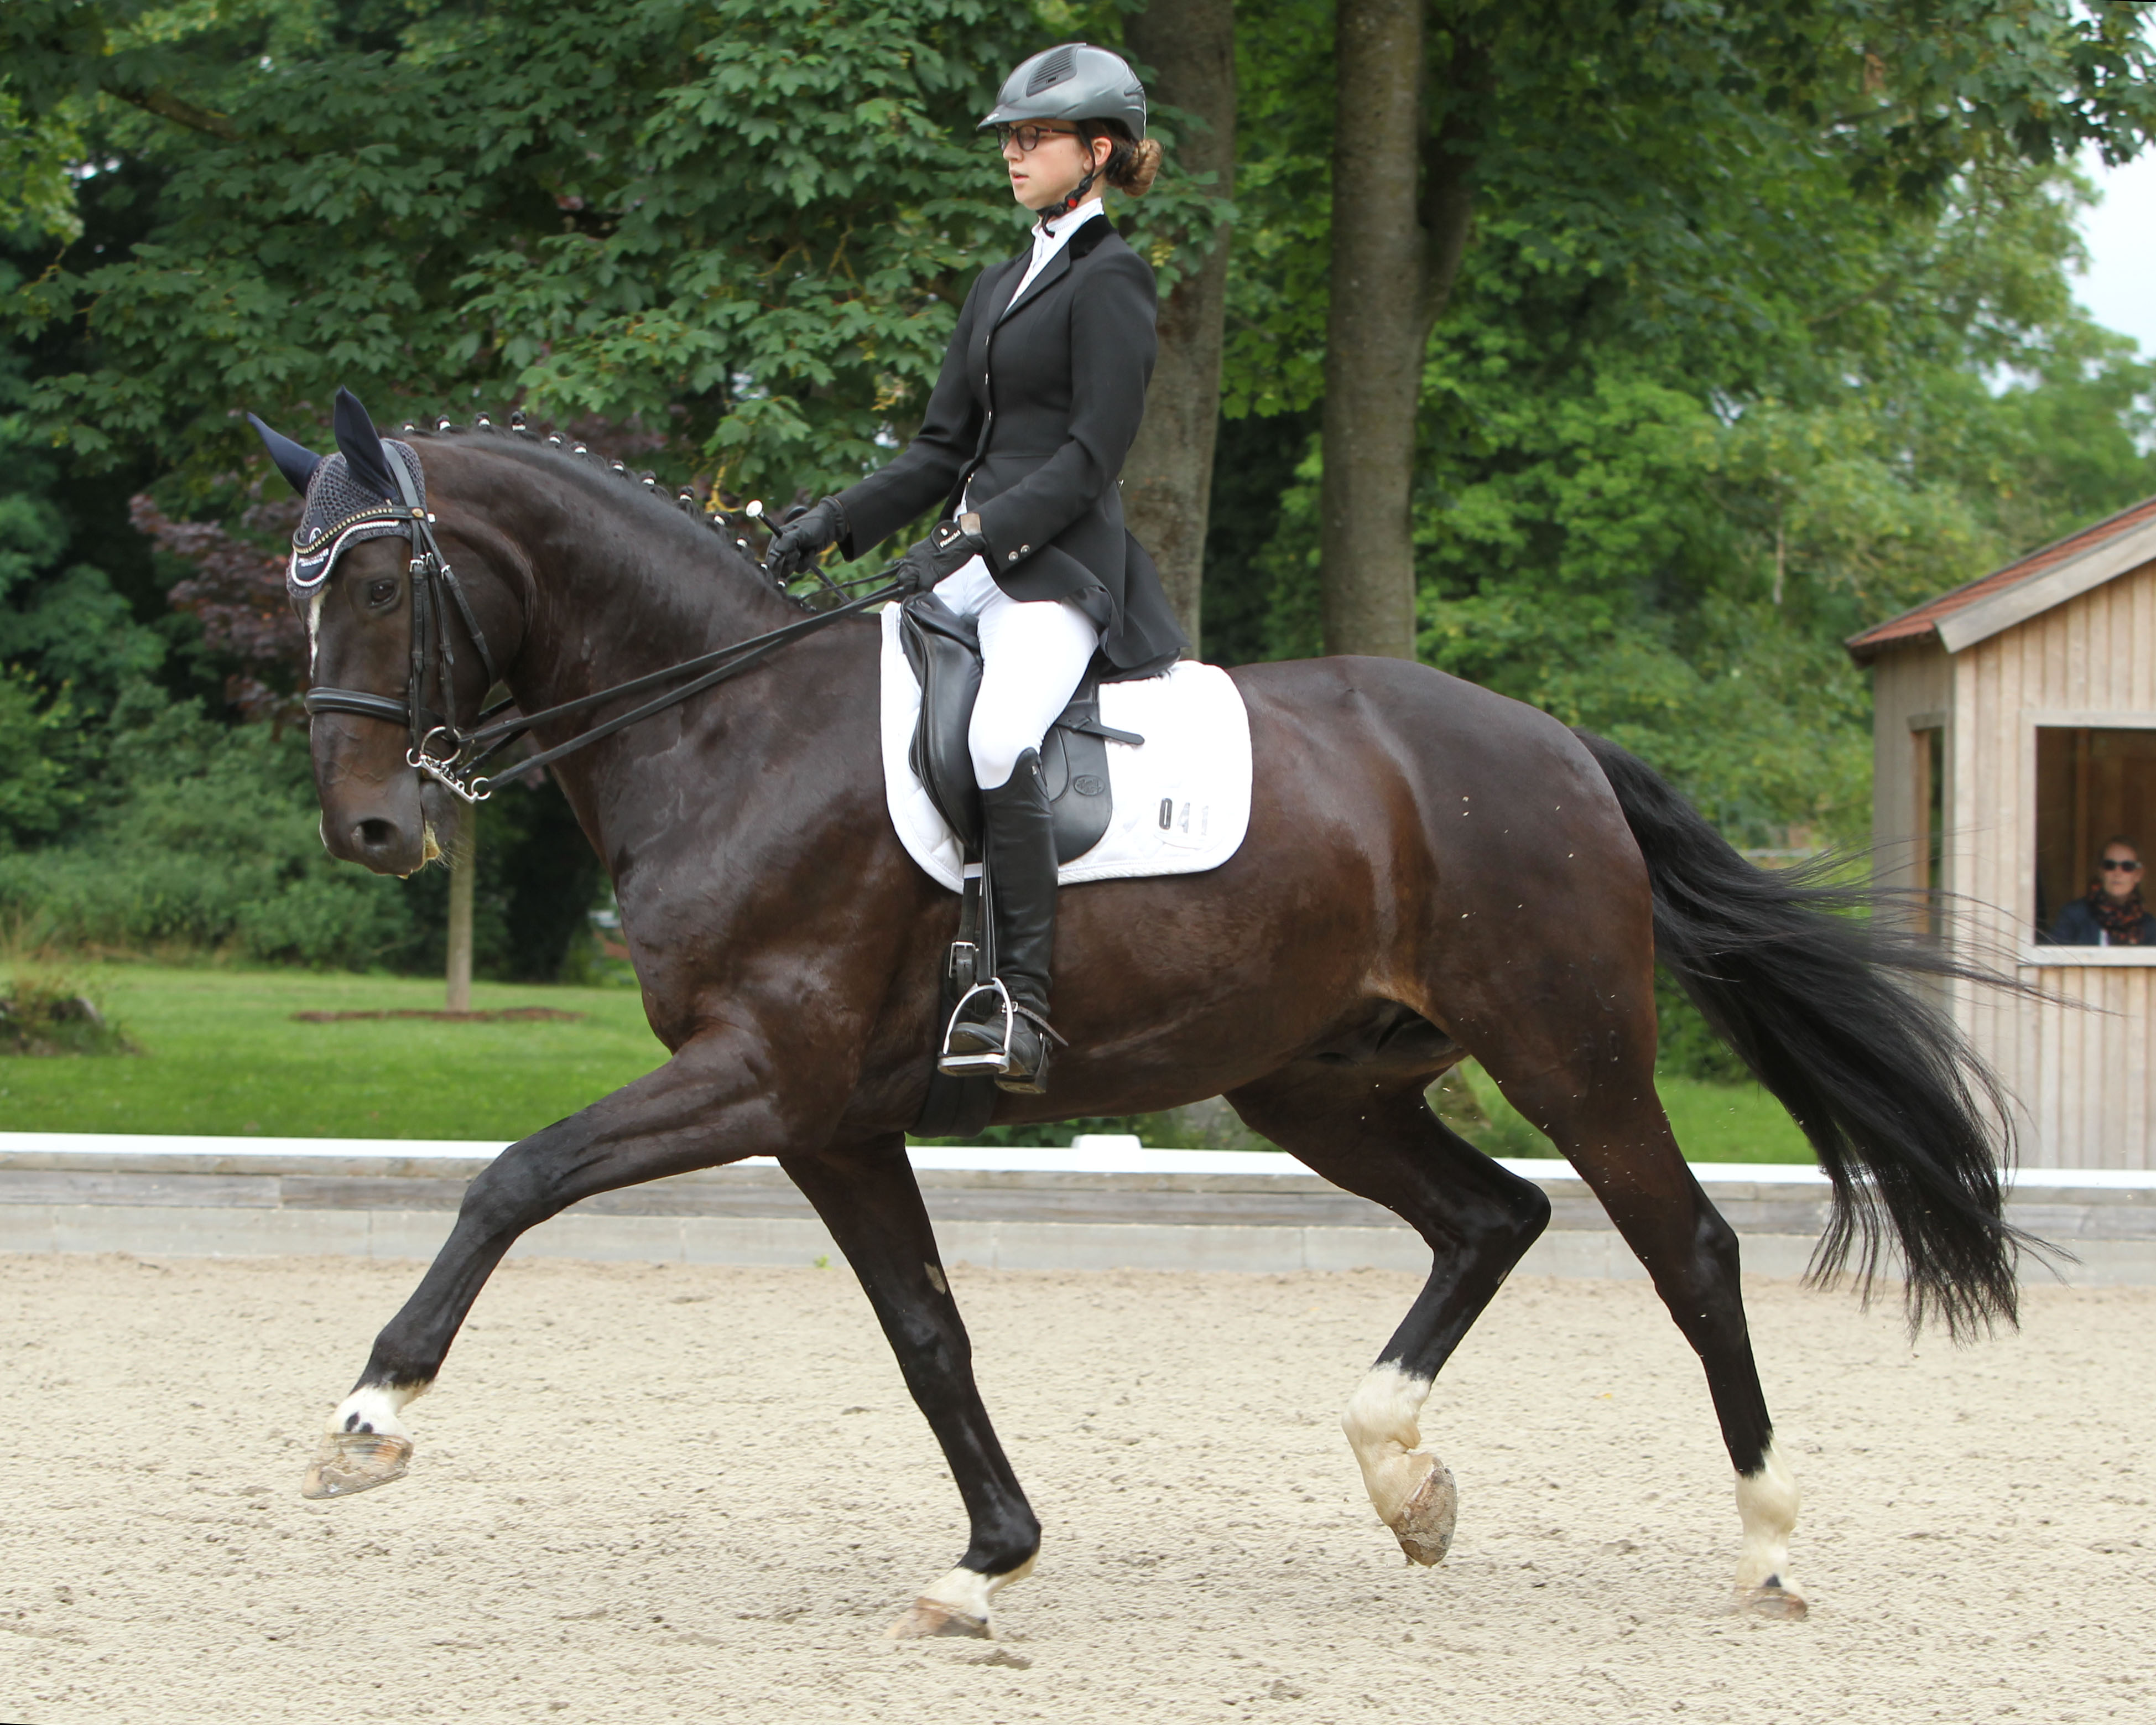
[[2091, 785]]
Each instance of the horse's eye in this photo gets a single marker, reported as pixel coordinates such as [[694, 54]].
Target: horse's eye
[[381, 593]]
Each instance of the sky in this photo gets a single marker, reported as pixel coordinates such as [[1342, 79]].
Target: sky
[[2120, 286]]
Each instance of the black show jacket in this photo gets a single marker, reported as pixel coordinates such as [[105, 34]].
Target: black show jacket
[[1036, 407]]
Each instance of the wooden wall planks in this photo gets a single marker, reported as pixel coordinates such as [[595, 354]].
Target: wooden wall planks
[[2079, 1064]]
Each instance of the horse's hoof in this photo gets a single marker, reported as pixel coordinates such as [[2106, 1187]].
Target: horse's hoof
[[928, 1618], [349, 1461], [1425, 1528], [1772, 1599]]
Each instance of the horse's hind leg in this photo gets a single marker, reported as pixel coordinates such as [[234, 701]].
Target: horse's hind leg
[[869, 1198], [1378, 1139], [1605, 1117]]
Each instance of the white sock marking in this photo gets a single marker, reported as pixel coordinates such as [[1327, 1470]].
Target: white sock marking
[[1768, 1502], [969, 1591], [1383, 1421], [374, 1407]]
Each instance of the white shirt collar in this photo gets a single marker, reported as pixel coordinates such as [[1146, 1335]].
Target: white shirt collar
[[1049, 237], [1058, 229]]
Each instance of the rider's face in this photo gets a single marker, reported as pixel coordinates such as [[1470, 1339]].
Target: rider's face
[[1049, 171]]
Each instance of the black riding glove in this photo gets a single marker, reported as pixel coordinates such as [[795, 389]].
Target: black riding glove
[[942, 553], [804, 536]]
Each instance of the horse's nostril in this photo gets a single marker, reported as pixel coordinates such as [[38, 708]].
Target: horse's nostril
[[374, 833]]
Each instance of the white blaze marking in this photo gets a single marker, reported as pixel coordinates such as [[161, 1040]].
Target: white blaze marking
[[969, 1591], [315, 626], [1384, 1427], [1768, 1501], [375, 1408]]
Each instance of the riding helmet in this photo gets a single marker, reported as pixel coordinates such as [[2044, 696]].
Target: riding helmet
[[1074, 81]]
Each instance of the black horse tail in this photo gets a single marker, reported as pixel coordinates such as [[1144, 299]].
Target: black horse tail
[[1801, 981]]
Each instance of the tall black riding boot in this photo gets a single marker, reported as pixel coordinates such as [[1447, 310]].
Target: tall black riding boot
[[1006, 1032]]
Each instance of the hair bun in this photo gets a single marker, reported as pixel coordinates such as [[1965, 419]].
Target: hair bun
[[1135, 177]]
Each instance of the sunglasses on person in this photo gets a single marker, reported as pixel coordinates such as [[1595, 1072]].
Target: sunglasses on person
[[2114, 862], [1028, 137]]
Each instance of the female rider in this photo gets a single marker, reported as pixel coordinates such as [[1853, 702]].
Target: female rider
[[1040, 397]]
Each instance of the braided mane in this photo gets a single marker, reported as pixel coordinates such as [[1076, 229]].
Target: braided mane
[[725, 525]]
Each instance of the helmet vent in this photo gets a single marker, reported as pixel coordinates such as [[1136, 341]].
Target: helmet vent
[[1057, 66]]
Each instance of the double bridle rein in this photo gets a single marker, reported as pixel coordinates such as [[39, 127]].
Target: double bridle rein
[[451, 756]]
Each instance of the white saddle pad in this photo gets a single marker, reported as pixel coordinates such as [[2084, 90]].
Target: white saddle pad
[[1183, 800]]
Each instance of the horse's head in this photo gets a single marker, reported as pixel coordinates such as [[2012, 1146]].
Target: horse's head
[[392, 651]]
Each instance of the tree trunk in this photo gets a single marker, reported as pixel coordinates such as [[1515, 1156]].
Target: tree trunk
[[1401, 204], [1372, 369], [463, 866], [1190, 44]]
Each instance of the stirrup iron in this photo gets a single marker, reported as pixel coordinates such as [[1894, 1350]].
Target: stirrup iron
[[982, 1063]]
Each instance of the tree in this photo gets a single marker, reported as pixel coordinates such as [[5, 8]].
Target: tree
[[1903, 96], [1674, 351], [1189, 48]]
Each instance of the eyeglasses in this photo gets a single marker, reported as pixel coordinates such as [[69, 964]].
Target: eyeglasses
[[1028, 137], [2112, 862]]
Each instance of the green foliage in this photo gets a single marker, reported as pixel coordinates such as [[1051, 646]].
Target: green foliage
[[40, 747], [203, 839], [1762, 333], [744, 228]]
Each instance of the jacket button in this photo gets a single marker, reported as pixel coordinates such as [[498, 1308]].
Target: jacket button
[[1024, 549], [1010, 557]]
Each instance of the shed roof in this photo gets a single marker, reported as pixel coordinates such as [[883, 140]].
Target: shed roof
[[2062, 570]]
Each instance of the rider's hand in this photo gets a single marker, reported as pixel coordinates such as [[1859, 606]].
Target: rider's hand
[[947, 550], [805, 535]]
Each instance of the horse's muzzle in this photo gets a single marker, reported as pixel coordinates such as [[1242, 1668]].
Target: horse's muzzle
[[381, 827]]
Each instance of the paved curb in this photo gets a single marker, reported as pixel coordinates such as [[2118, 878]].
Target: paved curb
[[1103, 1204]]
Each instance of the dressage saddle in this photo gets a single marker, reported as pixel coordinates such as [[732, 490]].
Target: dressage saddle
[[944, 650]]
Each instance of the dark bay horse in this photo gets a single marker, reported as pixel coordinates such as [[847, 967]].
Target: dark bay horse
[[1431, 872]]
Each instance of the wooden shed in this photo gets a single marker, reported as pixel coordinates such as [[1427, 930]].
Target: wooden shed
[[2014, 733]]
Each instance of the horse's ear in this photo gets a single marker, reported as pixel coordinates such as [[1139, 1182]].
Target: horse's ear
[[295, 461], [364, 457]]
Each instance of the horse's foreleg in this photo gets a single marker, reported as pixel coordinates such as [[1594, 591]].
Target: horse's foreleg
[[869, 1198], [700, 1109], [1379, 1140]]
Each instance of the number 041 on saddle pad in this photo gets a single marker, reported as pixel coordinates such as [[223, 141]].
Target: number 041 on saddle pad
[[1182, 799]]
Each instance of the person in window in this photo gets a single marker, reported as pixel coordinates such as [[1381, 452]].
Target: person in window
[[2112, 914]]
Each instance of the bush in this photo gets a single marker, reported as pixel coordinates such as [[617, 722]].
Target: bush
[[45, 1013], [205, 837]]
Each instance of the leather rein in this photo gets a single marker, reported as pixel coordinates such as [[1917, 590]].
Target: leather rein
[[454, 761]]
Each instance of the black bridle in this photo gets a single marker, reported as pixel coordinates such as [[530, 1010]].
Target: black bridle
[[455, 762]]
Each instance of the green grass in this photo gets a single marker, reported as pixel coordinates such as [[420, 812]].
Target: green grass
[[223, 1056], [1713, 1122]]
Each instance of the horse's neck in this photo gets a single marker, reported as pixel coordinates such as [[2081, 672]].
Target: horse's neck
[[615, 599]]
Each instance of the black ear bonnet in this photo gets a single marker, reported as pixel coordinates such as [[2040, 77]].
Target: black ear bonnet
[[351, 496]]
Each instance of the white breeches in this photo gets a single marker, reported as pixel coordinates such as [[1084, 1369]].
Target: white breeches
[[1032, 658]]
